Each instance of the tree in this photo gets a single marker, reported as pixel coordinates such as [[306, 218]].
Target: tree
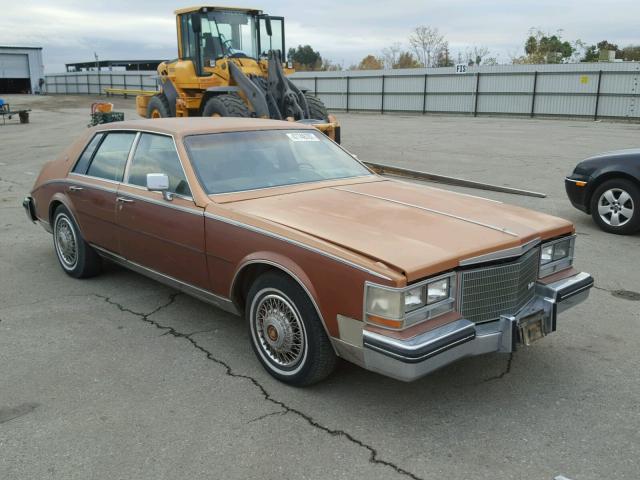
[[406, 60], [444, 58], [541, 47], [390, 54], [476, 55], [631, 53], [305, 58], [330, 66], [427, 42], [369, 63]]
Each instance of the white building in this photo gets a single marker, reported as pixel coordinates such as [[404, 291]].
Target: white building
[[21, 69]]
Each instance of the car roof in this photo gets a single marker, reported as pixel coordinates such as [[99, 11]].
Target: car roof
[[198, 125]]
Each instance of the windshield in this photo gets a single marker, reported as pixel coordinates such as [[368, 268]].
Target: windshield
[[240, 161], [228, 34]]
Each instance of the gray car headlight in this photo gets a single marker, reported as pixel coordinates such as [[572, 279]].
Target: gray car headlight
[[556, 255], [398, 308]]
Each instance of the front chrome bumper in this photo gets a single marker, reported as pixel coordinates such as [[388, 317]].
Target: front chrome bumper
[[413, 358]]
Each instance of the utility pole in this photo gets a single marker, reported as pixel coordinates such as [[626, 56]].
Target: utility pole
[[97, 61]]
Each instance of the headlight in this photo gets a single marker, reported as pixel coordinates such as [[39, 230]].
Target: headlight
[[398, 308], [556, 255], [438, 291]]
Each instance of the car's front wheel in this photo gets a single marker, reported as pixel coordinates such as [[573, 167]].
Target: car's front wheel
[[286, 332], [615, 206], [76, 256]]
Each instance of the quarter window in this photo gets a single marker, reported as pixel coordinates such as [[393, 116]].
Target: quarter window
[[111, 158], [157, 154], [85, 158]]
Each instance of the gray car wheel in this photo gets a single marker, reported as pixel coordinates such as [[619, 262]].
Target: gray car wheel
[[615, 206]]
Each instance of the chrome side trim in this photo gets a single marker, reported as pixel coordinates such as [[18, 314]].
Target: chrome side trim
[[94, 177], [201, 294], [502, 254], [294, 242], [81, 182], [162, 203], [291, 274], [575, 181], [431, 210]]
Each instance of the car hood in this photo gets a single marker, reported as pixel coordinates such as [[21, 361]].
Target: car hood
[[415, 229]]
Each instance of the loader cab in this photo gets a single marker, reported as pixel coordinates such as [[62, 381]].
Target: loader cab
[[208, 34]]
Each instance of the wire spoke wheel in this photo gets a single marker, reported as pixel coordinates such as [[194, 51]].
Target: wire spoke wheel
[[66, 242], [615, 207], [279, 330]]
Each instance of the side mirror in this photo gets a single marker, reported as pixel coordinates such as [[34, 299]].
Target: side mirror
[[159, 182]]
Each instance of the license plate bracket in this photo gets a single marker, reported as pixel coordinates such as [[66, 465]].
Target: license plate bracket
[[532, 328]]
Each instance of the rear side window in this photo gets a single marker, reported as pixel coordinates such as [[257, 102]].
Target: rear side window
[[157, 154], [85, 158], [110, 159]]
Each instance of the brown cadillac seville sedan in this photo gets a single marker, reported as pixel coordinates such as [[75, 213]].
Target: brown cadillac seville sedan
[[325, 259]]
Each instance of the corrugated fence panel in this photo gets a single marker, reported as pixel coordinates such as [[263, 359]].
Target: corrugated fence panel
[[565, 89], [509, 104]]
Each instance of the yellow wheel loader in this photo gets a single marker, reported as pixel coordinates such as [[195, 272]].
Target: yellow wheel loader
[[230, 65]]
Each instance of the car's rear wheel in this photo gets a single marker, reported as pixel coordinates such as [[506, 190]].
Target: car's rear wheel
[[286, 333], [76, 257], [615, 206]]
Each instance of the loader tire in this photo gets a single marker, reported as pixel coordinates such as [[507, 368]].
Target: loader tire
[[317, 110], [158, 107], [228, 105]]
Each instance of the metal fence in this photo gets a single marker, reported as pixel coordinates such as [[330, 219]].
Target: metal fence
[[595, 90], [94, 83], [574, 90]]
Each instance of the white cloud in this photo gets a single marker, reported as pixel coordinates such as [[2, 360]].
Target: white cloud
[[71, 30]]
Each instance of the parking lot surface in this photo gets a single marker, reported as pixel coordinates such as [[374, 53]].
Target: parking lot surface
[[121, 377]]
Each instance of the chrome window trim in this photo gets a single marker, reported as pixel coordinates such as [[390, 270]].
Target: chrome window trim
[[502, 254], [431, 210], [162, 203], [80, 182], [205, 295], [132, 150], [95, 178], [106, 132], [296, 243], [138, 187], [134, 147], [419, 312]]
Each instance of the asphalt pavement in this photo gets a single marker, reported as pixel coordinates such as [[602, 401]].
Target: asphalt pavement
[[121, 377]]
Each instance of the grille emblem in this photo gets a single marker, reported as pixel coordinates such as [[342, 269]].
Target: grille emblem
[[530, 285]]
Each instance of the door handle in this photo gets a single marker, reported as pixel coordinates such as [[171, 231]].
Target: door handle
[[73, 188], [124, 200]]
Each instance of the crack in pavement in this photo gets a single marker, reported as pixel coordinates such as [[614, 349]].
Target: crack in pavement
[[373, 453], [507, 370], [266, 415]]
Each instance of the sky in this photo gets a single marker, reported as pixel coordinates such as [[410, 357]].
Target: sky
[[341, 30]]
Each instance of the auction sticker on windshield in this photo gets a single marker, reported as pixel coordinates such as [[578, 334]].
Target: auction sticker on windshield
[[303, 137]]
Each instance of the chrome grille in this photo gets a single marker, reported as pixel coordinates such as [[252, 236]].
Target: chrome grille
[[489, 292]]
